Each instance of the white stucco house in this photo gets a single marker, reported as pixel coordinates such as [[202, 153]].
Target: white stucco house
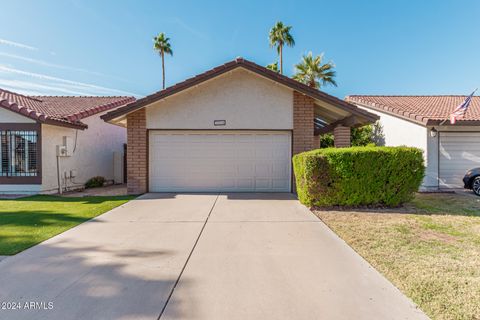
[[52, 143], [422, 121], [232, 128]]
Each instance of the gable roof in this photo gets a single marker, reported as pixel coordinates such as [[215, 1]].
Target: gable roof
[[59, 110], [424, 110], [237, 63]]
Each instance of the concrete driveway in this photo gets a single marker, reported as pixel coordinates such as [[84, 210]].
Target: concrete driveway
[[228, 256]]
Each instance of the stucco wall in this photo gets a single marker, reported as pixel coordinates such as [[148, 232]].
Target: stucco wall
[[7, 116], [400, 132], [243, 99], [93, 155]]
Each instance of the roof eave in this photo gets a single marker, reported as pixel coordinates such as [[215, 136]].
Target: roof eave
[[417, 119], [59, 123], [437, 122], [248, 65]]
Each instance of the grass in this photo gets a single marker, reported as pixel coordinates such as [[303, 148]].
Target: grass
[[26, 222], [430, 250]]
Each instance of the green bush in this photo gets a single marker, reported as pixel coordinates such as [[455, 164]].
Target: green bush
[[360, 137], [95, 182], [358, 176]]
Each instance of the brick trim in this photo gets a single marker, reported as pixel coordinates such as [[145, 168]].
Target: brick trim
[[137, 152], [341, 136], [316, 142], [303, 124]]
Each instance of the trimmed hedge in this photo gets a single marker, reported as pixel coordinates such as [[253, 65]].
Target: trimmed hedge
[[358, 176]]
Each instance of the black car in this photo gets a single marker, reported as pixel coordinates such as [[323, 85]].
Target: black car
[[472, 180]]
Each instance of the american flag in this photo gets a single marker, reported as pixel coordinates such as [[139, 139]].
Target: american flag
[[460, 111]]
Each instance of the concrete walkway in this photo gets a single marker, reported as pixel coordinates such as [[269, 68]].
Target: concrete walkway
[[166, 256]]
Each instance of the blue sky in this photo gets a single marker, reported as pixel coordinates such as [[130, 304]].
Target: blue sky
[[77, 47]]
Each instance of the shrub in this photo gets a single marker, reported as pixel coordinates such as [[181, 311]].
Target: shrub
[[358, 176], [95, 182]]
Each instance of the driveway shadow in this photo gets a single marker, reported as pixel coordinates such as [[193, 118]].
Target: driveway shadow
[[88, 282], [229, 195]]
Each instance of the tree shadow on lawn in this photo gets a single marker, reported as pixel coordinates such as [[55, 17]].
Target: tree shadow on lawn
[[21, 230], [28, 221], [40, 218]]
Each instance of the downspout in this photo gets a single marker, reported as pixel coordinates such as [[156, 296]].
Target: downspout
[[438, 161], [58, 175]]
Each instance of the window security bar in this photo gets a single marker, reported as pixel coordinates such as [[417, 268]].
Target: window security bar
[[18, 153]]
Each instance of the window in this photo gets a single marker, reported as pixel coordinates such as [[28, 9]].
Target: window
[[19, 153]]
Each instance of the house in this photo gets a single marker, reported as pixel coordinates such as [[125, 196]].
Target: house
[[51, 143], [422, 121], [233, 128]]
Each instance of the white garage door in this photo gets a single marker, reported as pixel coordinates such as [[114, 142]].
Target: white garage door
[[209, 161], [459, 152]]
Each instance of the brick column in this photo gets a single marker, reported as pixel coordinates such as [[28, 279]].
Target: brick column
[[341, 136], [303, 138], [137, 152], [316, 142]]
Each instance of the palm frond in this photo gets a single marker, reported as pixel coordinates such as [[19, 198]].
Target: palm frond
[[311, 71], [280, 35], [273, 66], [161, 44]]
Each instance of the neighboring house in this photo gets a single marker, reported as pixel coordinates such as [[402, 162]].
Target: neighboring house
[[35, 129], [419, 121], [233, 128]]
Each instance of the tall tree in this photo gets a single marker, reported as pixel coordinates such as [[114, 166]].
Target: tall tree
[[313, 72], [161, 44], [279, 37], [273, 66]]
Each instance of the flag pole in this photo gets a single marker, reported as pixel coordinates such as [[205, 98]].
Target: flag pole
[[447, 119]]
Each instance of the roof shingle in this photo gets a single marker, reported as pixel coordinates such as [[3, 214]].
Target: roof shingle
[[422, 109], [60, 110]]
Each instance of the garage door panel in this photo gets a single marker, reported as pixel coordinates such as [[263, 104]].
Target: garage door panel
[[245, 152], [263, 183], [220, 161], [263, 170], [280, 183], [280, 169], [458, 152]]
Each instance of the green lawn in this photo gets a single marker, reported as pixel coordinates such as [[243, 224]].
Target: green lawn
[[430, 250], [27, 221]]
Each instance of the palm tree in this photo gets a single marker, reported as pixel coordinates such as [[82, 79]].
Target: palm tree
[[161, 45], [313, 73], [280, 36], [273, 66]]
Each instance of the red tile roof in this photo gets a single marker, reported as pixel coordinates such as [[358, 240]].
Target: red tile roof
[[59, 110], [426, 110], [251, 66]]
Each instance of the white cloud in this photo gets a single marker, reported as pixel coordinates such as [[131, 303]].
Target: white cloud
[[190, 29], [54, 65], [17, 45], [32, 88], [88, 88]]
